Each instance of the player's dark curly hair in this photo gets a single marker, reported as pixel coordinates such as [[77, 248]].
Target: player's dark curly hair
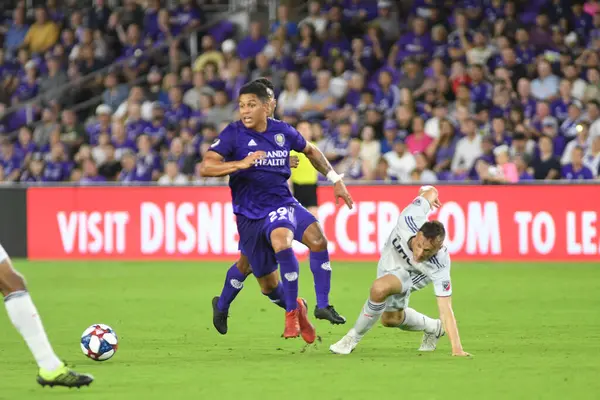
[[433, 230], [258, 89], [266, 82]]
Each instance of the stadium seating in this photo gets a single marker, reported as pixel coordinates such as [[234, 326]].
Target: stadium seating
[[492, 91]]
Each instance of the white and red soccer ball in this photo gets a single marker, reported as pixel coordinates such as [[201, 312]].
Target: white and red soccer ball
[[99, 342]]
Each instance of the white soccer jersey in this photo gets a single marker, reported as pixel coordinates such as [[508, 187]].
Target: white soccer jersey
[[396, 255]]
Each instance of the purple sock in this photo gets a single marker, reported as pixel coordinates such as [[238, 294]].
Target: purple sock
[[234, 282], [321, 269], [277, 296], [289, 273]]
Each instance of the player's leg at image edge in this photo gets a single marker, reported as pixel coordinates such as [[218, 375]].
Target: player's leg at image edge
[[407, 319], [24, 316]]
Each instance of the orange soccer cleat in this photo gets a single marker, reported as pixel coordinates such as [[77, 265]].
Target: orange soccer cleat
[[292, 324], [309, 334]]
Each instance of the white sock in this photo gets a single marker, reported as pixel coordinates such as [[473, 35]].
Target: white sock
[[25, 318], [368, 317], [415, 321]]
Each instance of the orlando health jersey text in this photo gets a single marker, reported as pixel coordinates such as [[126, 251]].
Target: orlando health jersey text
[[260, 189]]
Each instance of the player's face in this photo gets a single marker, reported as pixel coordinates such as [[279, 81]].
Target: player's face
[[423, 249], [253, 111]]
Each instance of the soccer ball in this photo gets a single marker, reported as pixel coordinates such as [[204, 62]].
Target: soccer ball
[[99, 342]]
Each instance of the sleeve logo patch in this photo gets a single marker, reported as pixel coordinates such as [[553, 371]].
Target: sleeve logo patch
[[446, 285]]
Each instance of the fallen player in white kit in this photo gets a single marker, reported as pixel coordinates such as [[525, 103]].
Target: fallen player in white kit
[[413, 257]]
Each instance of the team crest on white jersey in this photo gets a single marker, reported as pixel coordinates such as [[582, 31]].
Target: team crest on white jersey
[[280, 139]]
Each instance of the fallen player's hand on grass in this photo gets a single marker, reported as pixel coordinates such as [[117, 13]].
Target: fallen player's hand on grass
[[460, 353]]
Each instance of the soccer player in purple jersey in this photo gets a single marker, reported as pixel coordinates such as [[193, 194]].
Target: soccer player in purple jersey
[[255, 153], [312, 236]]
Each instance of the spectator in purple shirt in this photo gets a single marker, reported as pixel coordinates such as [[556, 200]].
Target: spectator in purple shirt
[[25, 146], [336, 45], [157, 130], [103, 115], [580, 22], [28, 86], [525, 99], [34, 172], [442, 149], [308, 47], [576, 170], [120, 141], [90, 173], [134, 124], [499, 135], [148, 162], [177, 112], [308, 78], [486, 158], [387, 96], [187, 17], [254, 43], [481, 90], [98, 15], [416, 43], [132, 172], [57, 168], [525, 51], [525, 173], [460, 40], [151, 28], [560, 106], [541, 35], [551, 130], [133, 53], [11, 162]]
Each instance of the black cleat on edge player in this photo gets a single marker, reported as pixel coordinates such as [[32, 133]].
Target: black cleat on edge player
[[328, 313], [219, 317]]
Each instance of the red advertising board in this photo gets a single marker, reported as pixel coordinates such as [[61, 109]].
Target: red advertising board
[[483, 222]]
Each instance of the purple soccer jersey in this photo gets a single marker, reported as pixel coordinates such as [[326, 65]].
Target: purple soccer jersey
[[262, 200], [259, 190]]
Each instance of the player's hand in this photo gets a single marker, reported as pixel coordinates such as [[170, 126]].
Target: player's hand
[[340, 191], [294, 161], [251, 159], [431, 194], [460, 353]]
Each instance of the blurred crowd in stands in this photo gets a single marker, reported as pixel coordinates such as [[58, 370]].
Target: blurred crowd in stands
[[493, 91]]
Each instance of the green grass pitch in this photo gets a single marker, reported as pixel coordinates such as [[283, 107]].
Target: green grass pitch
[[534, 331]]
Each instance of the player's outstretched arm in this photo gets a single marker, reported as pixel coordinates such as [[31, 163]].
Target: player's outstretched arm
[[214, 165], [321, 164], [450, 326]]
